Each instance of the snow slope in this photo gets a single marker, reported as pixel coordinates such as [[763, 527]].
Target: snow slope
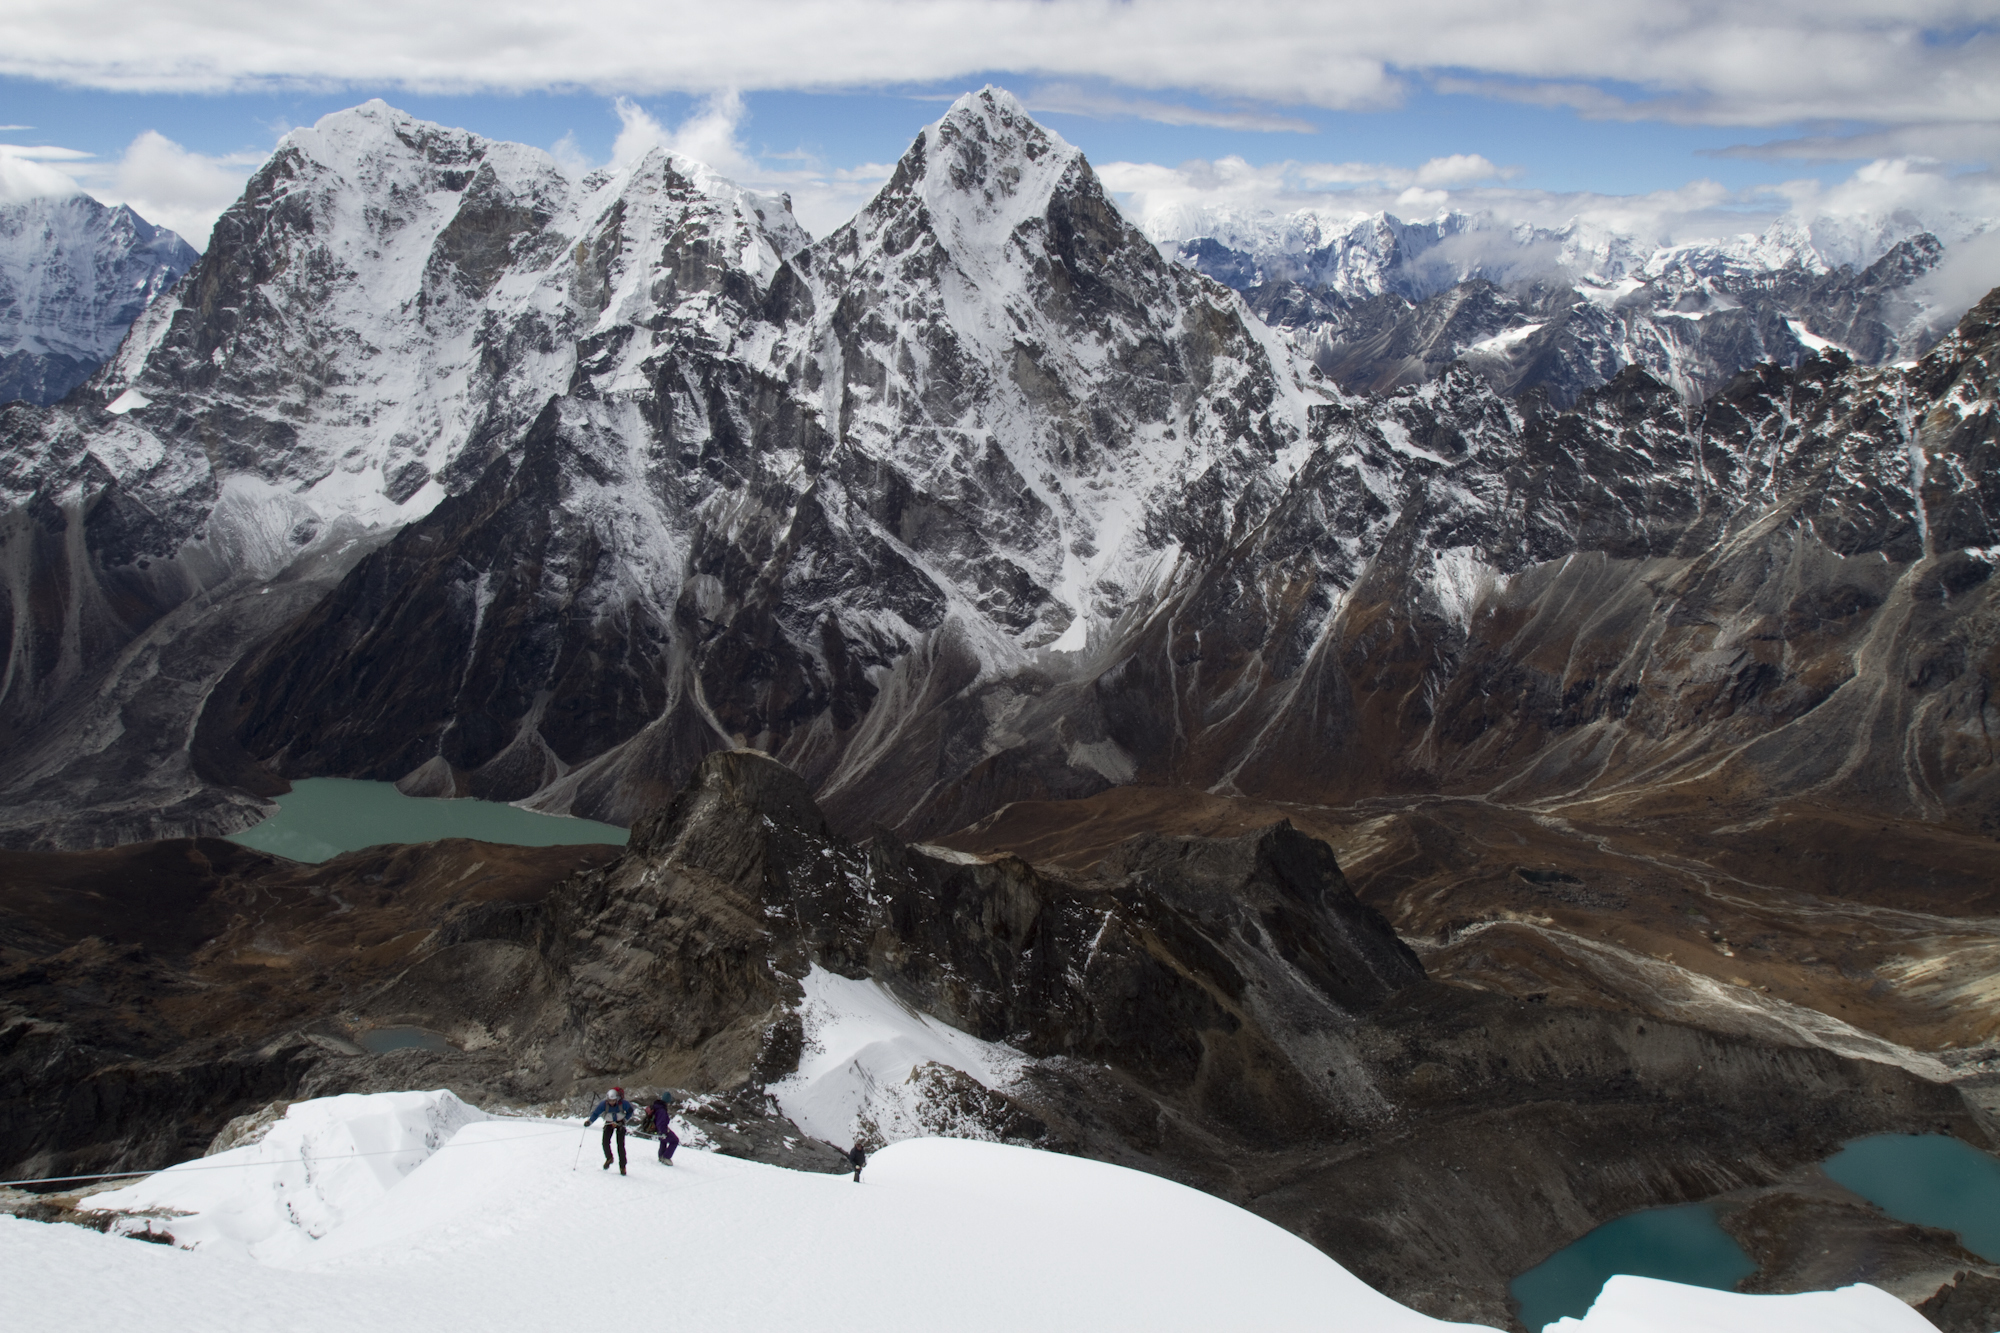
[[1642, 1304], [497, 1229]]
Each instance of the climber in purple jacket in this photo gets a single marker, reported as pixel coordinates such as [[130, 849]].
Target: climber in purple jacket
[[661, 1114]]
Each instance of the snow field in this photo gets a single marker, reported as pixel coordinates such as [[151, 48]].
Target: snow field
[[500, 1229], [511, 1224]]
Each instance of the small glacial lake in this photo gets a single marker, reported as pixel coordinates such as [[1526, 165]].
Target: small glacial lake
[[380, 1041], [1684, 1244], [323, 817], [1928, 1179]]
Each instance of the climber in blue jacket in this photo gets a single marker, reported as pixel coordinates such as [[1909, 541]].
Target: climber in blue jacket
[[617, 1113]]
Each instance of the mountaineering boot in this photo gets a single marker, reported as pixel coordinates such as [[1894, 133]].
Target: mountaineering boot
[[607, 1164], [621, 1168]]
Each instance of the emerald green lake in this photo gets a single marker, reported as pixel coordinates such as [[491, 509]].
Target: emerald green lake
[[1683, 1244], [1928, 1179], [323, 817]]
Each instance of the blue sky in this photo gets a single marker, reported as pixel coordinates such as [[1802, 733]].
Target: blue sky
[[1574, 105], [1555, 148]]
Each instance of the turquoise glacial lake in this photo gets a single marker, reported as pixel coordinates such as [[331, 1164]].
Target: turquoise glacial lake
[[1928, 1179], [1682, 1244], [323, 817]]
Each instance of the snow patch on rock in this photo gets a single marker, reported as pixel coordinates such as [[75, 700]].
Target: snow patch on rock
[[863, 1051]]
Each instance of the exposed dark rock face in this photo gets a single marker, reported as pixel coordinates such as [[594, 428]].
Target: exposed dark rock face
[[1970, 1302], [150, 993], [1191, 970], [1810, 1236]]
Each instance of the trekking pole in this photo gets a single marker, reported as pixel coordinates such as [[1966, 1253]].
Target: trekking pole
[[581, 1135]]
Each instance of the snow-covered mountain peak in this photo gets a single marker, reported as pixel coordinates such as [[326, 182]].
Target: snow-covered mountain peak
[[993, 324], [74, 273], [987, 168], [426, 290]]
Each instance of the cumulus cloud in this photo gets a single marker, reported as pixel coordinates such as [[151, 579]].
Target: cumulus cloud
[[162, 181], [1152, 193], [1460, 169], [24, 174], [172, 187], [823, 196], [1743, 62], [1967, 272]]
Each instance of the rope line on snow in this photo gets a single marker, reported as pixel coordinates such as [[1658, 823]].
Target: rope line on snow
[[241, 1166]]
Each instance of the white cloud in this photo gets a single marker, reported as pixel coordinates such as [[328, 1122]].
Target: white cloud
[[1066, 97], [1968, 271], [172, 187], [22, 176], [1745, 62], [1851, 221], [163, 182], [1460, 169], [822, 197], [1967, 142]]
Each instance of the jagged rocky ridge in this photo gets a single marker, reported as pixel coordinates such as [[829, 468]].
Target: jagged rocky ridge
[[74, 274], [977, 499], [1381, 303], [1219, 1010]]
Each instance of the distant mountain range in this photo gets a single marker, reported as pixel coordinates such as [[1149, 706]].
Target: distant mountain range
[[1379, 303], [74, 274]]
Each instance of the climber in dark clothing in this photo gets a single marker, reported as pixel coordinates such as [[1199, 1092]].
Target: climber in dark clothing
[[661, 1114], [857, 1159], [617, 1113]]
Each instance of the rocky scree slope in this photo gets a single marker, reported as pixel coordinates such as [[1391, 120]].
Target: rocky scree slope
[[1380, 303], [1218, 1010], [74, 274]]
